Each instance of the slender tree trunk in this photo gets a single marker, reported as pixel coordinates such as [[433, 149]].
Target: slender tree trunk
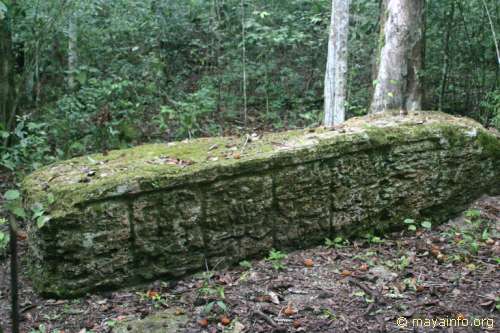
[[7, 87], [446, 55], [72, 50], [495, 41], [382, 20], [330, 73], [398, 84], [244, 56], [336, 68]]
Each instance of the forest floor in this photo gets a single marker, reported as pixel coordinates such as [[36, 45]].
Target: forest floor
[[449, 273]]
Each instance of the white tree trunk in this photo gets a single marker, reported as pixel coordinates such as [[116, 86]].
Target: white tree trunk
[[72, 50], [330, 73], [336, 65], [398, 84]]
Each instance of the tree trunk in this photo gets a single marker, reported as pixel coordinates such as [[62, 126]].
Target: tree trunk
[[336, 67], [398, 83], [446, 55], [7, 88], [72, 50], [382, 20]]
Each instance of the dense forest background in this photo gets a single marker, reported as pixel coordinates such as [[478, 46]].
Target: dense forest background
[[96, 75]]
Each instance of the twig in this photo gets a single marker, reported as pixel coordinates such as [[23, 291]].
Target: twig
[[245, 144], [374, 294], [268, 319]]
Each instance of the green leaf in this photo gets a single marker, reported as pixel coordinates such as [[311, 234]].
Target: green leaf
[[12, 195], [473, 213], [426, 224], [51, 199], [19, 212], [412, 227], [208, 307], [246, 264], [485, 235], [41, 221], [3, 10], [409, 221], [222, 306]]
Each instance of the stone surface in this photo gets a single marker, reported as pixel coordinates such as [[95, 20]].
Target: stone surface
[[165, 210], [165, 322]]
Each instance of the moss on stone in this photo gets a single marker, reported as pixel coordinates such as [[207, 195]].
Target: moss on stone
[[168, 321], [490, 144], [162, 209], [147, 167]]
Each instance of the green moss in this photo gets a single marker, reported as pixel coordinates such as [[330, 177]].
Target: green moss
[[155, 166], [490, 144], [162, 209]]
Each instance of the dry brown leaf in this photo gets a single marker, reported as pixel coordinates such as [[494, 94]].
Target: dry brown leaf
[[224, 320], [346, 273], [289, 310], [308, 262], [203, 322]]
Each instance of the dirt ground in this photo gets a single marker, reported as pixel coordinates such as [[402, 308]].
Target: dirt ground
[[448, 273]]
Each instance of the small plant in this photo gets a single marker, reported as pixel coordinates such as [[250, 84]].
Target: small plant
[[328, 313], [154, 297], [14, 205], [411, 224], [276, 258], [372, 238], [246, 264], [404, 262], [426, 224], [337, 242], [214, 295]]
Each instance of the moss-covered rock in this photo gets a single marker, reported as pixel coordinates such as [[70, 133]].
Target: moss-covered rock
[[165, 322], [162, 210]]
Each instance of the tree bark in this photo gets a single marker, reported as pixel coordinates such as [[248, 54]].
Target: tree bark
[[72, 50], [336, 67], [398, 83], [382, 20], [7, 67], [446, 55]]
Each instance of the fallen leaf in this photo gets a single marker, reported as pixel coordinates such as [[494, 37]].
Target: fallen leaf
[[297, 323], [308, 262], [490, 241], [224, 320], [346, 273], [364, 267], [273, 297], [289, 310], [238, 327], [203, 322]]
